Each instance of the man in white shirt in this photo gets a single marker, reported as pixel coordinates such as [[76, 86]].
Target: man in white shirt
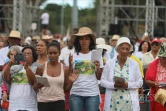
[[152, 55], [112, 54], [64, 57], [45, 20], [13, 39]]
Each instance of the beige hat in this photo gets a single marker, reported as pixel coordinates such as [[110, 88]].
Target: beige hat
[[46, 37], [15, 34], [115, 37], [83, 31], [36, 38], [101, 44]]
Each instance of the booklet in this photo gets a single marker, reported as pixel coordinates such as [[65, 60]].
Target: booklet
[[162, 84], [96, 55], [42, 80], [119, 79]]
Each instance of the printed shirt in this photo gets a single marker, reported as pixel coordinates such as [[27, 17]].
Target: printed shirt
[[121, 99], [161, 74], [22, 96], [86, 83]]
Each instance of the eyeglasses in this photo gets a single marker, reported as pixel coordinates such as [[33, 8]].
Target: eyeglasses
[[155, 43]]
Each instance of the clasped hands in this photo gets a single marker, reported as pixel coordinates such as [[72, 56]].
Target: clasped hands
[[123, 85]]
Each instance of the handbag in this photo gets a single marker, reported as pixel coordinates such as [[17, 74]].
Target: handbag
[[160, 96]]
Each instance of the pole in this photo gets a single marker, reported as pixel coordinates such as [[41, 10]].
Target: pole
[[62, 17], [74, 15]]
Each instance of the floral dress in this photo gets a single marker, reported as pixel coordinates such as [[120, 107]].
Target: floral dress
[[121, 99]]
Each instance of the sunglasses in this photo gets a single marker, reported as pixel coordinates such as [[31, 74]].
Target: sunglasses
[[155, 43]]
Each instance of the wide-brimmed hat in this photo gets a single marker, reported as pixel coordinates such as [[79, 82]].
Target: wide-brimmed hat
[[15, 34], [123, 40], [115, 37], [162, 52], [36, 38], [82, 32], [100, 43], [46, 37]]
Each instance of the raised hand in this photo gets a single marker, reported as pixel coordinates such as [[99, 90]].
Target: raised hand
[[11, 62], [73, 76]]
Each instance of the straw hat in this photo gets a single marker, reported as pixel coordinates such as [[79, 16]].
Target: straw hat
[[46, 37], [101, 44], [161, 96], [14, 34], [82, 32], [124, 40], [115, 37], [36, 38]]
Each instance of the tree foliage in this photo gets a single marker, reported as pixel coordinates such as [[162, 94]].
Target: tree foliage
[[86, 17]]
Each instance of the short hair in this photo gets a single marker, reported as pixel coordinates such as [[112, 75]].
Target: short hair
[[34, 54], [140, 46], [13, 48]]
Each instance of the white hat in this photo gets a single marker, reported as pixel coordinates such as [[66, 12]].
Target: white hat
[[123, 40], [28, 40], [101, 44]]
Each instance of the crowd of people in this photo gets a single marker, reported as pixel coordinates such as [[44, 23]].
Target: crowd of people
[[76, 83]]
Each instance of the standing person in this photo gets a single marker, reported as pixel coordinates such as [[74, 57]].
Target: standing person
[[112, 53], [152, 55], [22, 95], [42, 52], [45, 20], [84, 94], [69, 49], [13, 39], [121, 96], [156, 75], [101, 44], [135, 39], [143, 48], [75, 30], [64, 58], [52, 98]]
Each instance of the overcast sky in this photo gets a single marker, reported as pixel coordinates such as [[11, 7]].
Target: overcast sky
[[81, 3]]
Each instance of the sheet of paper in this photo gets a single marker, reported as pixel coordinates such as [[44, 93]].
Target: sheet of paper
[[119, 79], [42, 80], [96, 55]]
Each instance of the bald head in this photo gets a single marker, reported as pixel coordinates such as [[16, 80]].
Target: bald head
[[1, 44]]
